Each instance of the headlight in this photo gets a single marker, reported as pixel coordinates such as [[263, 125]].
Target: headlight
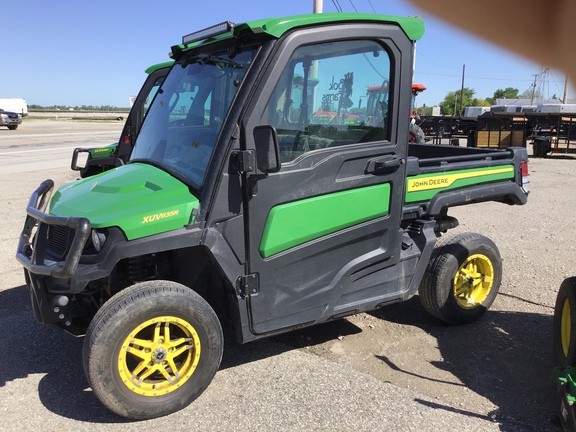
[[98, 239]]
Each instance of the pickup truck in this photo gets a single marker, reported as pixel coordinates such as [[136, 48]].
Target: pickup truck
[[10, 119], [102, 159], [240, 210]]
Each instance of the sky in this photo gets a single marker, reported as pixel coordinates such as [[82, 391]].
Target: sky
[[78, 53]]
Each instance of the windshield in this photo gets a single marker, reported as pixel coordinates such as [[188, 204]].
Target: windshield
[[184, 120]]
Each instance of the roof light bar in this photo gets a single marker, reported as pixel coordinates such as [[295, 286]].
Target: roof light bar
[[214, 30]]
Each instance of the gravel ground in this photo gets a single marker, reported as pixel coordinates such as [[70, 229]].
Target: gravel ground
[[498, 368], [393, 369]]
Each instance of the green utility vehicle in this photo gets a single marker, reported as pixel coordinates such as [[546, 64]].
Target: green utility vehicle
[[102, 159], [564, 338], [240, 208]]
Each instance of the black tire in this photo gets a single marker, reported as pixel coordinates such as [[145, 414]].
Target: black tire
[[462, 278], [564, 327], [152, 328], [13, 127]]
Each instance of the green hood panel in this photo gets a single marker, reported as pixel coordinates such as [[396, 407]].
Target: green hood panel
[[140, 199]]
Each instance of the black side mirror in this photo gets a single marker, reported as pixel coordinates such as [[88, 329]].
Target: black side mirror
[[267, 149]]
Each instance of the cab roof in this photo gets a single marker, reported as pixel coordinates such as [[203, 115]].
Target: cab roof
[[276, 27]]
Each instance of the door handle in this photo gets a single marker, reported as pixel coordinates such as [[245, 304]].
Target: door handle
[[382, 164]]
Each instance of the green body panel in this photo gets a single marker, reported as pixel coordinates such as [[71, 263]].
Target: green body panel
[[294, 223], [101, 152], [155, 67], [276, 27], [424, 187], [140, 199]]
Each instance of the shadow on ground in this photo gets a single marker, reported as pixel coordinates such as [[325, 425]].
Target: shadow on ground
[[505, 357], [64, 390]]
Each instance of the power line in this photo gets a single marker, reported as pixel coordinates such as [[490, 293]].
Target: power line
[[556, 82], [353, 6], [419, 54], [336, 4], [479, 77], [370, 3]]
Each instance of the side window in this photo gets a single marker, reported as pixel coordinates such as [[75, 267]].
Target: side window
[[151, 95], [331, 94]]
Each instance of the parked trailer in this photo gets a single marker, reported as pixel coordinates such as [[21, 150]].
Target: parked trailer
[[547, 132]]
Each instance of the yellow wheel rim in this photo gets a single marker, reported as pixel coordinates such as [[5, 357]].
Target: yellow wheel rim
[[565, 325], [473, 281], [159, 356]]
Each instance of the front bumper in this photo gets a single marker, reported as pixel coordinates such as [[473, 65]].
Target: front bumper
[[10, 120], [32, 253], [47, 276]]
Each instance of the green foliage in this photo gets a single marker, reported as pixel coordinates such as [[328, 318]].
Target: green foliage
[[481, 102], [451, 105], [78, 108], [507, 93], [530, 93], [425, 110]]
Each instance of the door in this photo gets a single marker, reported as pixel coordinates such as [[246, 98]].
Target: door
[[324, 232]]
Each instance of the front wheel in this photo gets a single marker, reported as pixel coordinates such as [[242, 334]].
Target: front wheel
[[564, 335], [462, 278], [13, 127], [152, 349]]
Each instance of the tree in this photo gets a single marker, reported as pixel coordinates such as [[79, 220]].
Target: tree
[[451, 103], [481, 102], [507, 93], [531, 93], [424, 110]]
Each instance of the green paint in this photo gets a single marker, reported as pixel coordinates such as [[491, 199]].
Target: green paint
[[102, 152], [140, 199], [276, 27], [413, 27], [294, 223], [155, 67], [455, 180]]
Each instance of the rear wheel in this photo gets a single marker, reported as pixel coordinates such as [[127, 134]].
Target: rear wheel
[[462, 278], [564, 333], [152, 349]]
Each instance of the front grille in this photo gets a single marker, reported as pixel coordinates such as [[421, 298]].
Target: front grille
[[59, 239], [13, 116]]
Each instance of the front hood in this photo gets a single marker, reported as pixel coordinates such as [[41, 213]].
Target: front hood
[[140, 199]]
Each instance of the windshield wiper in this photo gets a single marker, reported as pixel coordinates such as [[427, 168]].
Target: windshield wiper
[[212, 60]]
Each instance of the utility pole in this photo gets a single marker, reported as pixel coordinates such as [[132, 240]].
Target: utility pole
[[318, 4], [462, 90], [534, 88]]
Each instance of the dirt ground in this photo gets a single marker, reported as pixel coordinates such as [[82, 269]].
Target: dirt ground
[[498, 368]]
